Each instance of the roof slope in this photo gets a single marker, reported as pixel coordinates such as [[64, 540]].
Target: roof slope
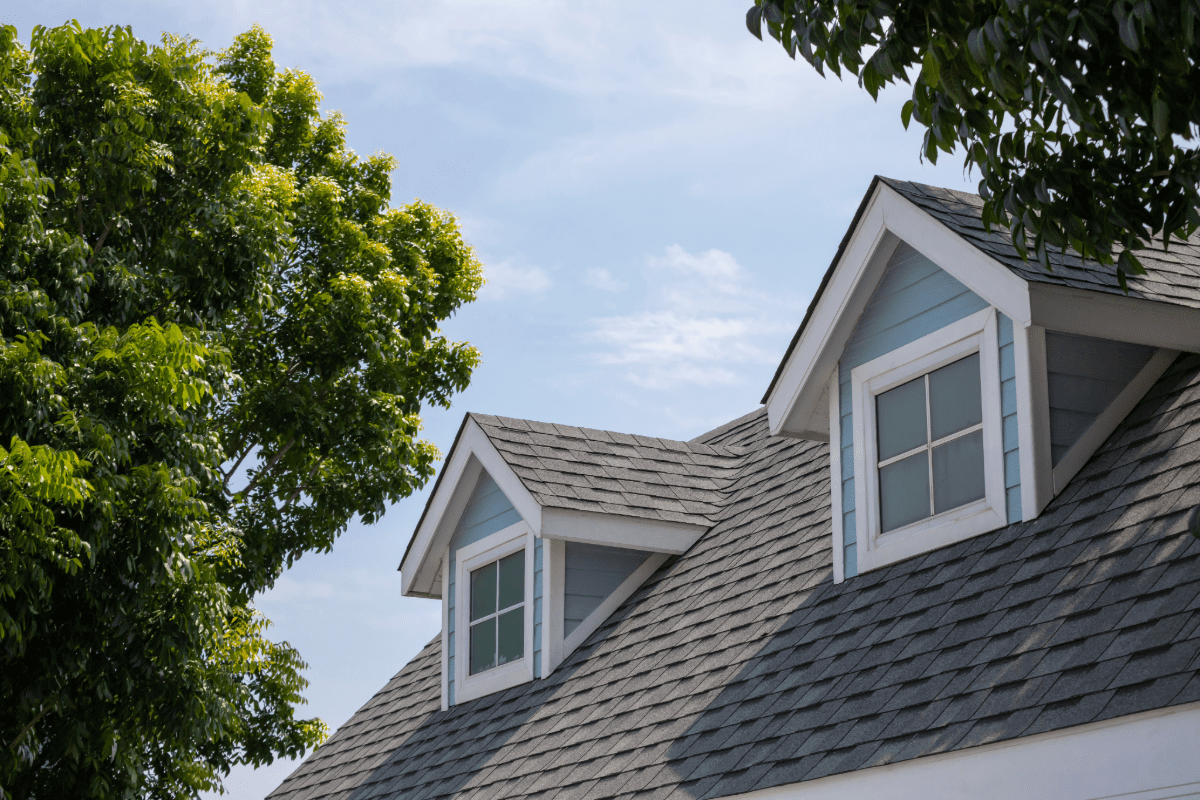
[[740, 665], [615, 473]]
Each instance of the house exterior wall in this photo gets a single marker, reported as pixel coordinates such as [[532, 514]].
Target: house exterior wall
[[487, 512], [1085, 375], [593, 572], [913, 299]]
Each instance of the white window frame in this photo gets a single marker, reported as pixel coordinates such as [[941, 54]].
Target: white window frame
[[974, 334], [470, 557]]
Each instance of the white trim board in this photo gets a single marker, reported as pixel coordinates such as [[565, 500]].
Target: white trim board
[[795, 406], [614, 530], [1111, 316], [474, 451], [1149, 756]]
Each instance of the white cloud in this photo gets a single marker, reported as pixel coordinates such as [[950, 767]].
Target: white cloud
[[706, 322], [505, 279], [602, 279]]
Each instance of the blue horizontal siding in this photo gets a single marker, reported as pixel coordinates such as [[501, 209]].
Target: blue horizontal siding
[[1085, 375], [593, 573], [1008, 414]]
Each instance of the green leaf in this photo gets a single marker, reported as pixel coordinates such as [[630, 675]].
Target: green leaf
[[1160, 115], [930, 69], [906, 113], [754, 21]]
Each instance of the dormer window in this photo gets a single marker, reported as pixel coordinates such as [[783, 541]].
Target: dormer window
[[927, 416], [930, 433], [498, 613], [493, 620]]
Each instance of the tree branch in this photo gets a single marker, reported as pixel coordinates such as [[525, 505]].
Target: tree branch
[[99, 244], [237, 464], [270, 466], [28, 727], [303, 486]]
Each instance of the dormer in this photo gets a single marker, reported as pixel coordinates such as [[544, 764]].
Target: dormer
[[960, 388], [535, 534]]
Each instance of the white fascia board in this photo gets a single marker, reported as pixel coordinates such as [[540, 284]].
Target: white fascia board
[[634, 533], [1149, 756], [840, 305], [421, 569], [1112, 316], [796, 405]]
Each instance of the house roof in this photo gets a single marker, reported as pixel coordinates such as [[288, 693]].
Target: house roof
[[615, 473], [1172, 276], [740, 665]]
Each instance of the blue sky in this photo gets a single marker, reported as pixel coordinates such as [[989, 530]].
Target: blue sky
[[654, 193]]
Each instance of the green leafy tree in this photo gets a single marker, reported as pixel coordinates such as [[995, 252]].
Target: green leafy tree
[[1081, 117], [216, 338]]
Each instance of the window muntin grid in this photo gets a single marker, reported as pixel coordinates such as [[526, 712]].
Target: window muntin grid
[[497, 613], [929, 433]]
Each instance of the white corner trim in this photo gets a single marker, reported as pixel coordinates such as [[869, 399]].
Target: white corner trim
[[835, 479], [974, 334], [635, 533], [794, 407], [474, 451], [1111, 316], [1148, 756], [605, 609], [469, 557], [1033, 419], [1110, 418]]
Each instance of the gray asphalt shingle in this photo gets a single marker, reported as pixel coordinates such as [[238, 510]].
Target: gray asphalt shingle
[[740, 665]]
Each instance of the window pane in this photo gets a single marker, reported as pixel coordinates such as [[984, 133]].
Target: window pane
[[483, 591], [904, 492], [954, 397], [483, 645], [958, 472], [900, 418], [512, 635], [512, 579]]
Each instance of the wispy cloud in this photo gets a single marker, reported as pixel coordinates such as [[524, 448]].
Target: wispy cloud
[[602, 279], [705, 322], [506, 279]]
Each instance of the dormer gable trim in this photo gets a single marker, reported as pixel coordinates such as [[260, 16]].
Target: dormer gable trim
[[797, 400], [472, 453]]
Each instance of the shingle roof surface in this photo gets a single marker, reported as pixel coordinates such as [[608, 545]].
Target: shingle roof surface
[[615, 473], [740, 665], [1171, 277]]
